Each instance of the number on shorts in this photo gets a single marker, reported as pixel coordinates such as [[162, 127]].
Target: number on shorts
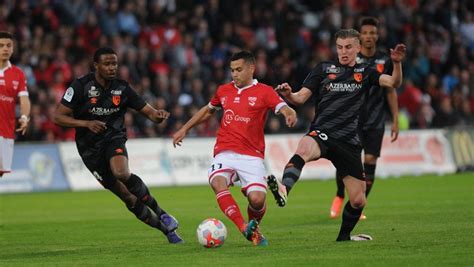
[[216, 167]]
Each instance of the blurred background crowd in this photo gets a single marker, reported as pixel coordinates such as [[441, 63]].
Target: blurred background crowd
[[175, 52]]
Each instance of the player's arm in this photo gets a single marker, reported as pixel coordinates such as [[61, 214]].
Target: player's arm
[[202, 115], [289, 114], [392, 100], [395, 80], [25, 107], [155, 115], [297, 98], [63, 116]]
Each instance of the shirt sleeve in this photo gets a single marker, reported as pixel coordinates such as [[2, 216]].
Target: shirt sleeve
[[374, 77], [134, 100], [22, 89], [273, 100], [215, 102], [72, 95], [314, 78]]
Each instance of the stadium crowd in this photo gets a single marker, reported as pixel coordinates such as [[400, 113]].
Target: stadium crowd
[[175, 53]]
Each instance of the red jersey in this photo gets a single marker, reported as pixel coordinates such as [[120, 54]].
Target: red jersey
[[243, 121], [12, 85]]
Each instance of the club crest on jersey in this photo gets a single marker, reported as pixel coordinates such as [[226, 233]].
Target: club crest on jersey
[[15, 85], [223, 100], [358, 77], [116, 99], [252, 100], [93, 100], [380, 68], [93, 92]]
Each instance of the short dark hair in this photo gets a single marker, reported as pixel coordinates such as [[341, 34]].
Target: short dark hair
[[245, 55], [6, 35], [103, 51], [347, 33], [369, 21]]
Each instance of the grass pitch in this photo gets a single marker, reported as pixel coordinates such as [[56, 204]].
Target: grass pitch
[[415, 221]]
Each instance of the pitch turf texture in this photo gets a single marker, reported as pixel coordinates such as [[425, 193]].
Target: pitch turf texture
[[426, 220]]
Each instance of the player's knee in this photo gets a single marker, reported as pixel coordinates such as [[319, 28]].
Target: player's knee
[[358, 202], [121, 174], [257, 199], [370, 159], [219, 183]]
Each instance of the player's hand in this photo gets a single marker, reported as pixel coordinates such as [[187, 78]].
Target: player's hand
[[291, 119], [161, 115], [283, 89], [23, 121], [178, 137], [398, 53], [395, 130], [96, 127]]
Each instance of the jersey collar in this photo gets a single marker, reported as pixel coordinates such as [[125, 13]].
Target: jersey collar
[[254, 82]]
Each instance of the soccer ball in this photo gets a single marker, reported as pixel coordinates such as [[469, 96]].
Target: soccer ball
[[211, 233]]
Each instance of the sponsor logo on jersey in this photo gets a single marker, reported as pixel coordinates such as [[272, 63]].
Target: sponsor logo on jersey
[[358, 77], [237, 99], [252, 100], [116, 99], [69, 94], [100, 111], [343, 87], [229, 116], [360, 60], [93, 92], [5, 98], [380, 61], [333, 69], [359, 69], [116, 92], [332, 76]]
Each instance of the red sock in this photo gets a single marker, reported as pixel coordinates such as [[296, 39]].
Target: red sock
[[256, 214], [230, 208]]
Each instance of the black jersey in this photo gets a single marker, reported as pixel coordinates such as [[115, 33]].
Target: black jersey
[[339, 92], [90, 101], [373, 112]]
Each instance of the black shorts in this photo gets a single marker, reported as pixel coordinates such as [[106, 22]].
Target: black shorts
[[345, 157], [371, 140], [97, 159]]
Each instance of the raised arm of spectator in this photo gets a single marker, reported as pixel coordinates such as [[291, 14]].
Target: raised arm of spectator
[[297, 98], [202, 115], [395, 80]]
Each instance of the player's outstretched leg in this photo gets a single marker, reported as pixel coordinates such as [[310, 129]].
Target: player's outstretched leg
[[166, 222], [278, 190]]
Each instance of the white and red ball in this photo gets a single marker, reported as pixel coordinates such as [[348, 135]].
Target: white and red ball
[[211, 233]]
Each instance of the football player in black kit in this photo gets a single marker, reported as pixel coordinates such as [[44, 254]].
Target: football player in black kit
[[95, 105], [372, 117], [338, 87]]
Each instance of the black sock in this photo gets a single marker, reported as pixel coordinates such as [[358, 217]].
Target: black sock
[[137, 187], [292, 172], [369, 177], [144, 214], [350, 217], [340, 185]]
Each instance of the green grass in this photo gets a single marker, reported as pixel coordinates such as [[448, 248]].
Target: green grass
[[415, 221]]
